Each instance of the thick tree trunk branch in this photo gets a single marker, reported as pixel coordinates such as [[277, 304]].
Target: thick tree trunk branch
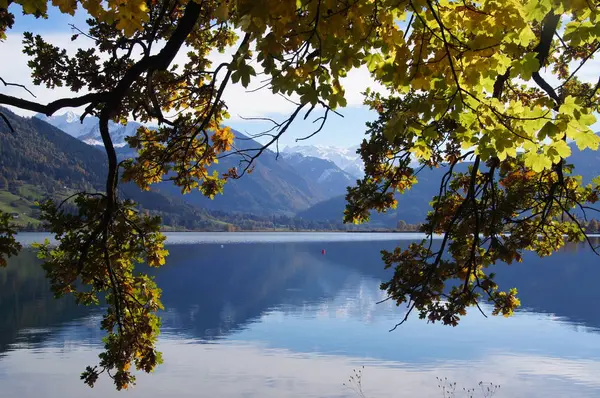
[[550, 24], [159, 61], [50, 108], [163, 59]]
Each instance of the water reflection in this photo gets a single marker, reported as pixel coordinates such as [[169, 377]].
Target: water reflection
[[211, 290], [565, 284], [269, 302], [28, 311]]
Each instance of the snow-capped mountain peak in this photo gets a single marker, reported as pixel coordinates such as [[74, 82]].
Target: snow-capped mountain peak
[[70, 123], [345, 158], [71, 117], [88, 131]]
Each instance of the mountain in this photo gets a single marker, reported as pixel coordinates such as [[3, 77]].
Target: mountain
[[41, 154], [327, 175], [413, 206], [69, 122], [88, 130], [40, 161], [275, 186], [345, 158]]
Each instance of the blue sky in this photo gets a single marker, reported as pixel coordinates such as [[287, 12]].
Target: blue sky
[[56, 22], [338, 131]]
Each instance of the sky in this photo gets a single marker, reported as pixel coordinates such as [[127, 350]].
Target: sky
[[345, 131]]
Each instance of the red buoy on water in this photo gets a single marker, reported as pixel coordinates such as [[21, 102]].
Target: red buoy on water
[[323, 251]]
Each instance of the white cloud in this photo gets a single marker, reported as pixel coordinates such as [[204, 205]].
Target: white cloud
[[234, 369], [246, 102]]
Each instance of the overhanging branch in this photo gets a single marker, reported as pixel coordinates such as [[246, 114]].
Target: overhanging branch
[[50, 108], [550, 24]]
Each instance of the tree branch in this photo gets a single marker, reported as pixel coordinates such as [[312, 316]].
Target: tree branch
[[543, 49], [17, 85], [50, 108]]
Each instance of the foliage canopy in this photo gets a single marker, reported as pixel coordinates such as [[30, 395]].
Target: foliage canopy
[[496, 83]]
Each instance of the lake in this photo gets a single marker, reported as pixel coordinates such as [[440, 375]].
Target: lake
[[269, 315]]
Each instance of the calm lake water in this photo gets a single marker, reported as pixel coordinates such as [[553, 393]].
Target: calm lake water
[[268, 315]]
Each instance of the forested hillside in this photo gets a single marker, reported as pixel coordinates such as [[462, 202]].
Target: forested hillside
[[39, 154], [39, 161]]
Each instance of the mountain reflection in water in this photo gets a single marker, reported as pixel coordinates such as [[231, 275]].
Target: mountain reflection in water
[[275, 303]]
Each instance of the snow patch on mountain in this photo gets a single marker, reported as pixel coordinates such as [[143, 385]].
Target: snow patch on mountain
[[95, 142], [70, 117], [118, 133], [326, 175]]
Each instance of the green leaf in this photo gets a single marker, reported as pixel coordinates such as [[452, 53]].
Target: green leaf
[[243, 73], [526, 66], [537, 162], [562, 148], [249, 71], [235, 76], [373, 60], [526, 36], [549, 130], [394, 127], [467, 118], [308, 95], [569, 106], [586, 119], [587, 139], [558, 150], [537, 9]]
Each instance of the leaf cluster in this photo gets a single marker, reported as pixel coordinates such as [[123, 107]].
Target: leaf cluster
[[93, 263], [8, 244]]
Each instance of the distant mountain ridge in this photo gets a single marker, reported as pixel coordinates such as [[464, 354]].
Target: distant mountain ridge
[[39, 161], [326, 171], [278, 185], [345, 158], [413, 205], [294, 184], [326, 174], [88, 130], [69, 122]]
